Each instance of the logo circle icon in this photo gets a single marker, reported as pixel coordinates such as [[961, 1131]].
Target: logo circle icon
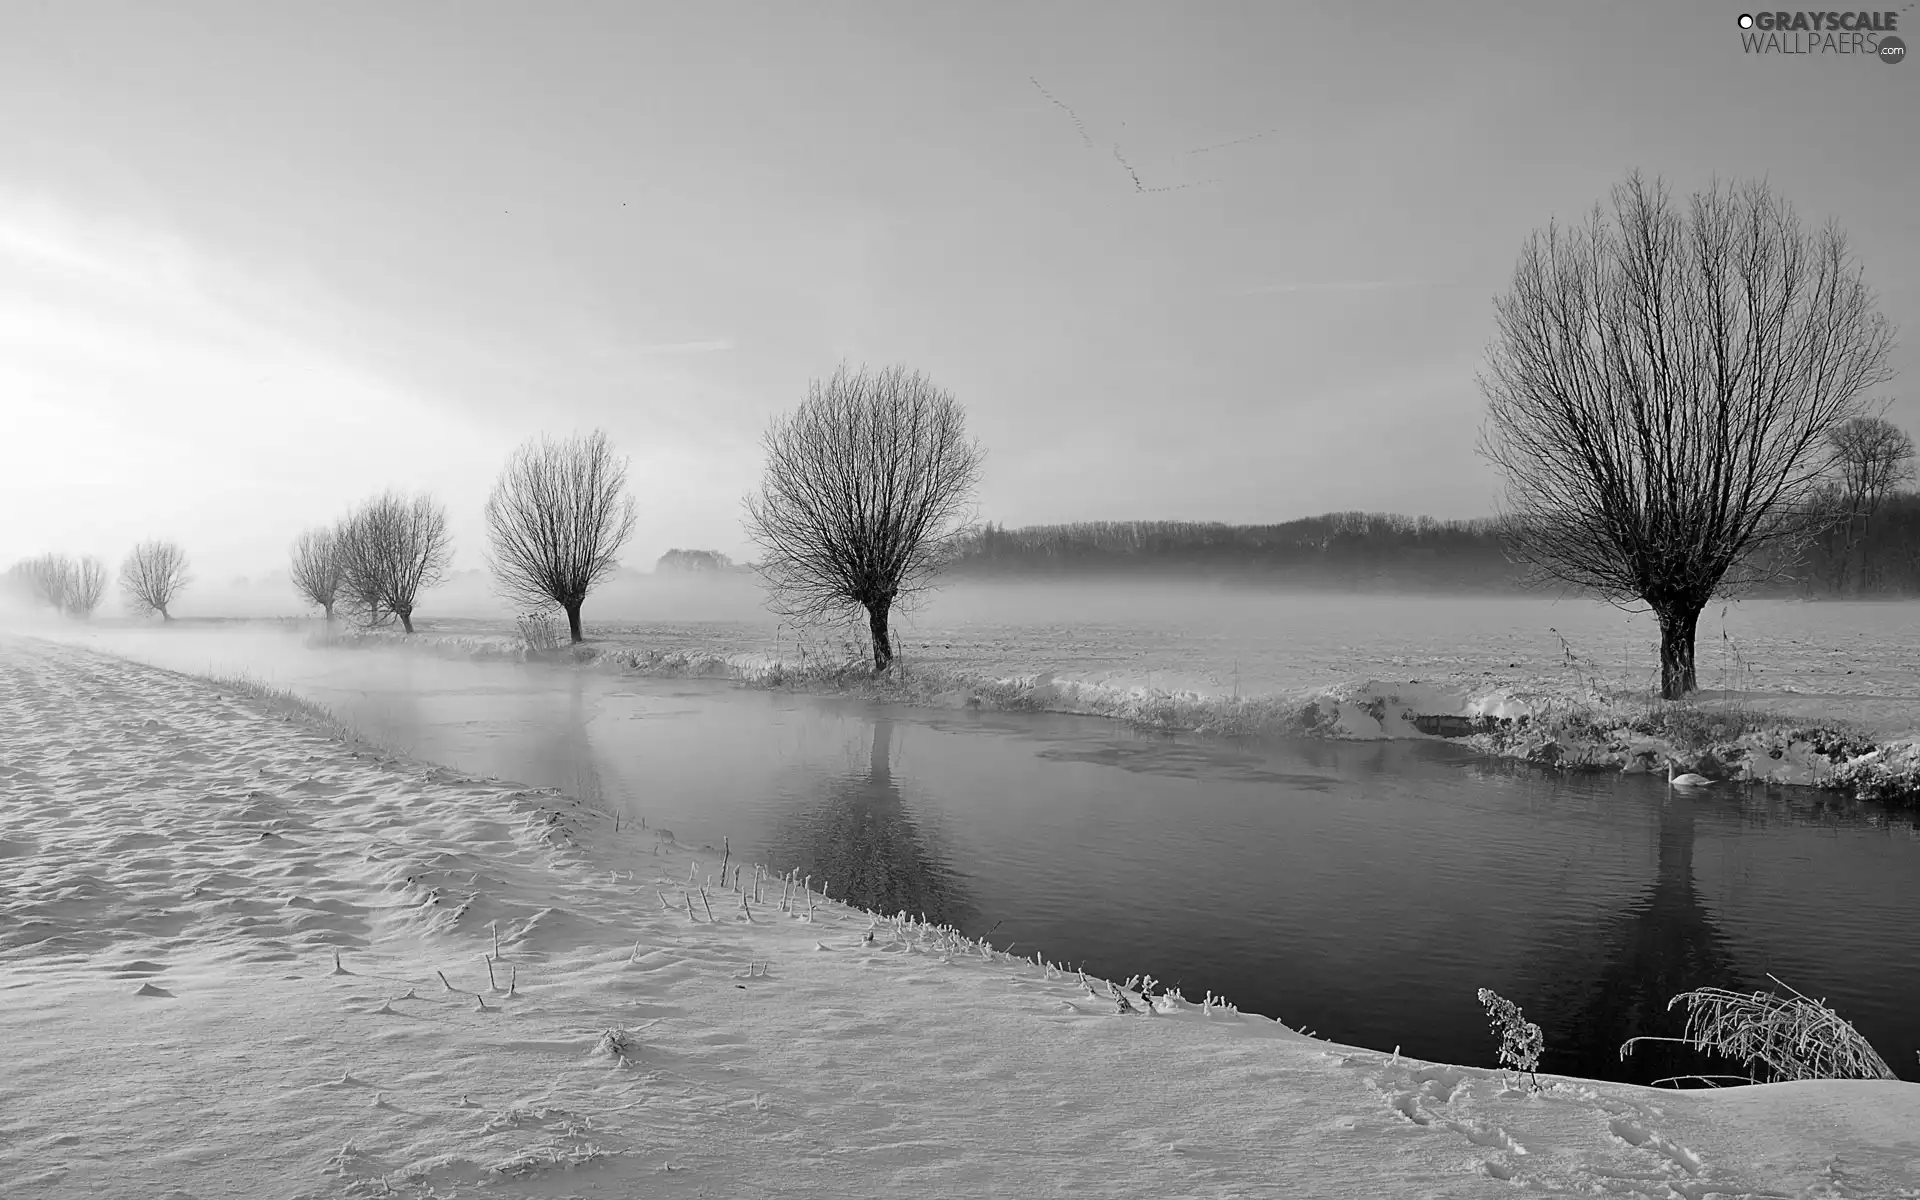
[[1746, 20], [1892, 50]]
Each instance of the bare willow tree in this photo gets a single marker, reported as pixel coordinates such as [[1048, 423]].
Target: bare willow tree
[[60, 583], [389, 548], [359, 594], [867, 487], [53, 579], [152, 576], [556, 521], [315, 569], [1871, 458], [86, 586], [1661, 392]]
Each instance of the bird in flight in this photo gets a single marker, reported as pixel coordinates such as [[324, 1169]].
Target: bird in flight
[[1086, 139], [1139, 186], [1063, 107], [1239, 141]]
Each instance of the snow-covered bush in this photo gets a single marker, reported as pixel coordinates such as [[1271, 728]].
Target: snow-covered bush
[[1521, 1042]]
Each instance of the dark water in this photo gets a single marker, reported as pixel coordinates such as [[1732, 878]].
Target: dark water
[[1362, 891]]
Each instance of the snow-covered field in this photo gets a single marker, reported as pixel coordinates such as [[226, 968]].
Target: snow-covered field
[[239, 957]]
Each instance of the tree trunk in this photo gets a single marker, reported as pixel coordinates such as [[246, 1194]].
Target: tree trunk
[[1677, 626], [406, 620], [573, 620], [328, 609], [164, 614], [1866, 551], [877, 626]]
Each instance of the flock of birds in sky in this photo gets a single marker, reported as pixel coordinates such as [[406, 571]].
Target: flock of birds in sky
[[1119, 156]]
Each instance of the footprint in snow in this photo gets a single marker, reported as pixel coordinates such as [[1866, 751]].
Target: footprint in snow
[[1642, 1138], [1491, 1136]]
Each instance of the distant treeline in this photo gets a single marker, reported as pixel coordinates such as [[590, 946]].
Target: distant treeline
[[677, 561], [1350, 549], [1388, 551], [1877, 555]]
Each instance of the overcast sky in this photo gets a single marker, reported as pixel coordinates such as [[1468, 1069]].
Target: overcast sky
[[258, 260]]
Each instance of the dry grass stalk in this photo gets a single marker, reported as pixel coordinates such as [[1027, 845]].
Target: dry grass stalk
[[1793, 1037]]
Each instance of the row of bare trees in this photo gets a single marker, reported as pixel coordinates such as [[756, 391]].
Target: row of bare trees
[[1678, 398], [151, 576], [68, 585], [863, 500], [556, 519], [371, 565]]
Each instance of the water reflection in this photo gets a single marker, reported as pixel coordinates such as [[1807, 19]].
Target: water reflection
[[1616, 984], [856, 831], [565, 747]]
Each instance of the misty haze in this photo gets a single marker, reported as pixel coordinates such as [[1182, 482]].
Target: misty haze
[[883, 599]]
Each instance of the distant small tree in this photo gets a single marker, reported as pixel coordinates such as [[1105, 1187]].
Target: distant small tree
[[1661, 392], [48, 580], [866, 490], [88, 586], [677, 562], [556, 521], [18, 582], [315, 569], [389, 548], [54, 580], [1872, 458], [359, 594], [152, 576]]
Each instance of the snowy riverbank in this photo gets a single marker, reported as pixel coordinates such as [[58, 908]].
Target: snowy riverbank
[[244, 958], [1866, 746]]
